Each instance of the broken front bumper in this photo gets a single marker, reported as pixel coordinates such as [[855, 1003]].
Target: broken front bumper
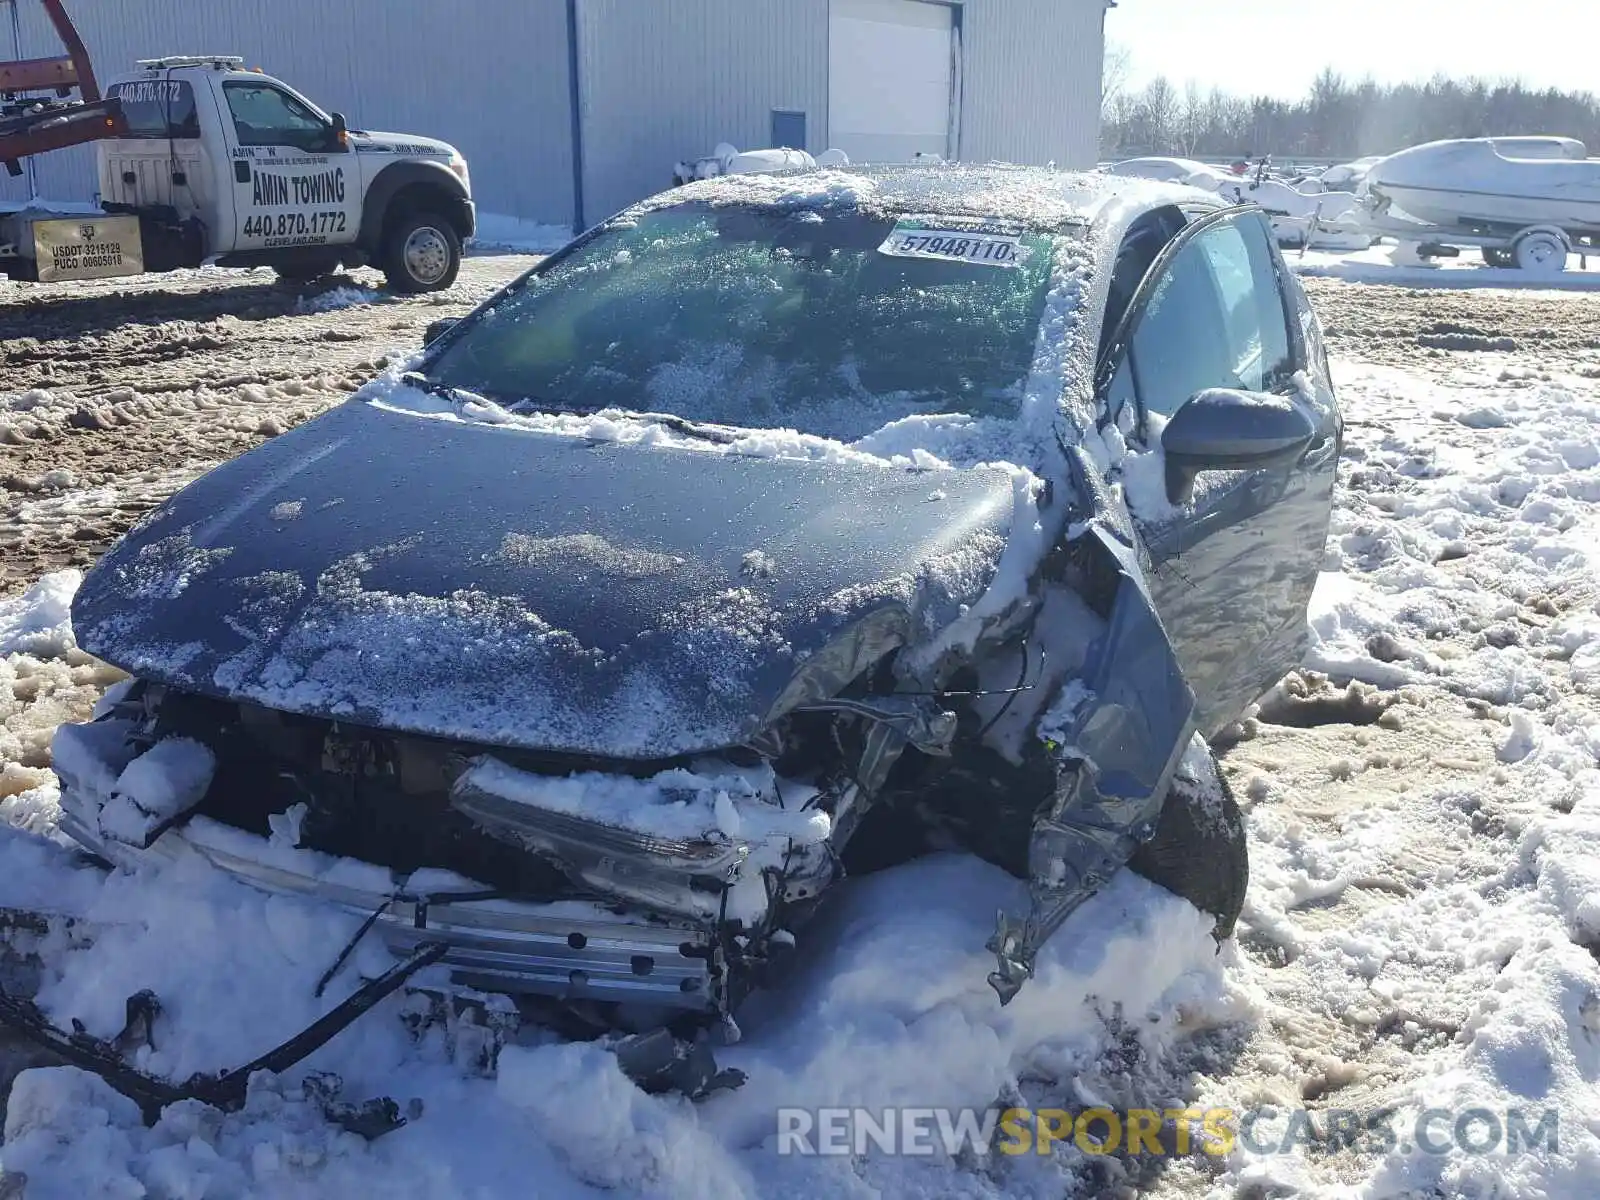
[[570, 951]]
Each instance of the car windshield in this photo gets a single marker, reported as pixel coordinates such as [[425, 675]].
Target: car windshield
[[831, 324]]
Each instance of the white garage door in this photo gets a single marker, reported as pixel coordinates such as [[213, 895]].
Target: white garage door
[[890, 76]]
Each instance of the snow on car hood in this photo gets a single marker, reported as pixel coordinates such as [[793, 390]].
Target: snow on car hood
[[521, 588]]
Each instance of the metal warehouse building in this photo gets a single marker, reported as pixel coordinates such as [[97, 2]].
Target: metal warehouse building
[[569, 109]]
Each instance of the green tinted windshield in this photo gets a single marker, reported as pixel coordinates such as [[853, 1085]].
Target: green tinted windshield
[[763, 320]]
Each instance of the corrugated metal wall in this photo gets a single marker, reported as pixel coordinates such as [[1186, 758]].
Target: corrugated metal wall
[[489, 76], [1031, 81], [665, 80], [662, 80]]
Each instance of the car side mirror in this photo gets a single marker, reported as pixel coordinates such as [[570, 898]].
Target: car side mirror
[[437, 328], [341, 130], [1220, 429]]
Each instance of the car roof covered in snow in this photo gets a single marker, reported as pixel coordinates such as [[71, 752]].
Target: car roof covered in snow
[[1036, 196]]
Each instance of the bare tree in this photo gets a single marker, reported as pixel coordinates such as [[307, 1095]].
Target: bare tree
[[1191, 119], [1337, 119], [1114, 76], [1158, 107]]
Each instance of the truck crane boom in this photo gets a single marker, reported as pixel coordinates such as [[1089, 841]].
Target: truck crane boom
[[31, 124]]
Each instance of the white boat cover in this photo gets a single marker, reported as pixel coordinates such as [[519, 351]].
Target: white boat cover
[[1502, 182]]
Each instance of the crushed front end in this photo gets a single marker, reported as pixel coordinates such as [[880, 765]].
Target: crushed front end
[[604, 894]]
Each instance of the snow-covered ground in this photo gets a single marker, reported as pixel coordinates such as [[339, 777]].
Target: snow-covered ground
[[1419, 934], [1382, 264], [1422, 922]]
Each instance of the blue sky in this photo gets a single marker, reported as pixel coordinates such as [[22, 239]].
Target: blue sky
[[1275, 47]]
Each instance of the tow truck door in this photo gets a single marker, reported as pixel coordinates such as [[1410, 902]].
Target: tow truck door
[[294, 180]]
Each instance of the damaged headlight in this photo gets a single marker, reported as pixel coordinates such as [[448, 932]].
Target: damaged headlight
[[573, 838], [679, 875]]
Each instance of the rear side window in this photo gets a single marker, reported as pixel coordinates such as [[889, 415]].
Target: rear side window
[[1216, 319], [158, 108]]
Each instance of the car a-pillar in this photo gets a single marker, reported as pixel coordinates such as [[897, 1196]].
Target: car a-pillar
[[414, 220]]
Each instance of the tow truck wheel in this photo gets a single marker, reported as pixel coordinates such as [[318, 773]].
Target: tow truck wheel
[[422, 253]]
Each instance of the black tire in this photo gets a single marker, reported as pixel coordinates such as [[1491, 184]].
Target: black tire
[[421, 253], [1498, 258], [299, 274], [1199, 849]]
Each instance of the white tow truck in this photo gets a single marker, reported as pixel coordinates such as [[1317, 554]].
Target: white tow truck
[[202, 161]]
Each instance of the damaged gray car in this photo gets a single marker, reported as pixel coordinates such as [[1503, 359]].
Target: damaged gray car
[[776, 530]]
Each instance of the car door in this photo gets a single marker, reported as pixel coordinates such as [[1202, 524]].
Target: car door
[[294, 179], [1234, 552]]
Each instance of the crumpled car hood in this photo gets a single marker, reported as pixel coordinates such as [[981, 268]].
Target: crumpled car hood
[[514, 588]]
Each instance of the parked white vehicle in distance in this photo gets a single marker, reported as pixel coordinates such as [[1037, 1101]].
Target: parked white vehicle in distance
[[1170, 170], [226, 165]]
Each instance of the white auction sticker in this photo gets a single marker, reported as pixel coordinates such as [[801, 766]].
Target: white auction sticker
[[986, 246]]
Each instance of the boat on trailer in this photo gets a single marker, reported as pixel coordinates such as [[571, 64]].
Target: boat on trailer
[[1528, 202]]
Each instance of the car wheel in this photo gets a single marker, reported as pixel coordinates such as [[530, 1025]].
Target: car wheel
[[421, 254], [1198, 850], [1500, 257]]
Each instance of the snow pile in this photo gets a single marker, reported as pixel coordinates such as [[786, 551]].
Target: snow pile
[[815, 190], [1169, 170], [334, 299], [44, 680], [164, 782], [39, 621]]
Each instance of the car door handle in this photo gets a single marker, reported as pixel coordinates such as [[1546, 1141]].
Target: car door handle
[[241, 170]]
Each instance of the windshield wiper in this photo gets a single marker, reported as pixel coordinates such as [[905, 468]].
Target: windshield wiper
[[460, 398], [497, 410], [719, 434]]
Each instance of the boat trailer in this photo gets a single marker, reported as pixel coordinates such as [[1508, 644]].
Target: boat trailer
[[1541, 249]]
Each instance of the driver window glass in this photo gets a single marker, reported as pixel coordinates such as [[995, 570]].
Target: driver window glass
[[1215, 319], [264, 116]]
